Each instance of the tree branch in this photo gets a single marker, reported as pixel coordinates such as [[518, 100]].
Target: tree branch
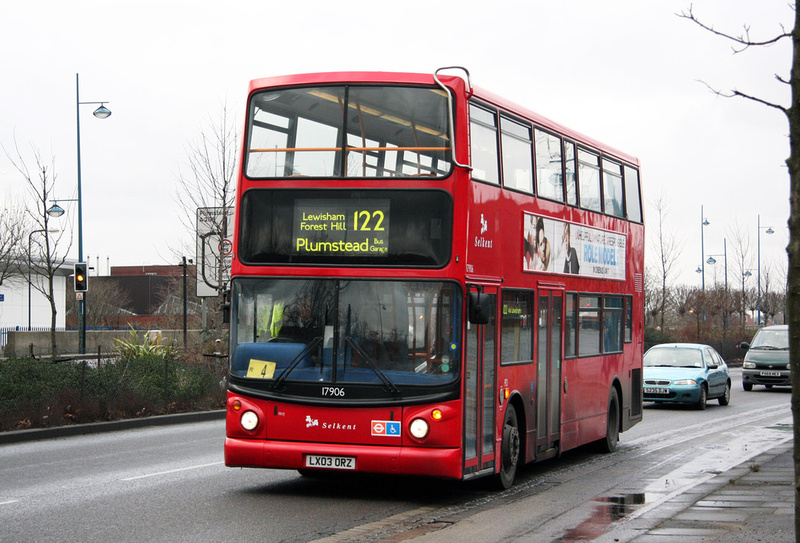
[[742, 40]]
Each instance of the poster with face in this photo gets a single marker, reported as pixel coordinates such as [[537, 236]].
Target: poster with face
[[555, 246]]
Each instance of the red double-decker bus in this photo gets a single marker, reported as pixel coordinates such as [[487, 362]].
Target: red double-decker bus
[[428, 280]]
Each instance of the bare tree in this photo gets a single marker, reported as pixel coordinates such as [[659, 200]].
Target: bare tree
[[741, 264], [211, 181], [211, 185], [12, 241], [45, 256], [742, 42], [110, 304], [666, 251]]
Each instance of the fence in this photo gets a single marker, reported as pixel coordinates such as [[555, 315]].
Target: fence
[[103, 387]]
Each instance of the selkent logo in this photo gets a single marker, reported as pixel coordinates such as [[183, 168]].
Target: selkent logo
[[386, 428]]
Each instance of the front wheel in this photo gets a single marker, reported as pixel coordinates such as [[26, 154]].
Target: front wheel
[[509, 449], [747, 387], [703, 401]]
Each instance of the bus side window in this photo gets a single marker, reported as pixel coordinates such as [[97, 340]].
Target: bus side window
[[483, 142]]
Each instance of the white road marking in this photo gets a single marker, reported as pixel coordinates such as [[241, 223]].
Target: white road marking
[[171, 471], [8, 502]]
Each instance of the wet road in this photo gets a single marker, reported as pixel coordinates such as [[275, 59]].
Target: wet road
[[169, 484]]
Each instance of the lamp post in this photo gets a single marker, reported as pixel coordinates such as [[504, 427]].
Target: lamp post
[[101, 113], [703, 223], [711, 260], [746, 274], [769, 230], [184, 264]]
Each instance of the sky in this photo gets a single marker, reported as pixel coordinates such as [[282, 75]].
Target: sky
[[630, 73]]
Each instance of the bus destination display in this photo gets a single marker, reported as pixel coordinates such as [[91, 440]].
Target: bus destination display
[[336, 227]]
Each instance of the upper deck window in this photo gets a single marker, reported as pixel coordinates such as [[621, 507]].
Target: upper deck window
[[348, 131], [549, 175], [517, 156], [633, 203], [612, 188], [589, 180], [483, 143]]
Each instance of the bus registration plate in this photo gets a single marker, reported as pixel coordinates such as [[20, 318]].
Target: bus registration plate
[[330, 462]]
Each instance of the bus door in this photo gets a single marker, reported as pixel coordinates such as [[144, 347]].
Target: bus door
[[479, 378], [548, 372]]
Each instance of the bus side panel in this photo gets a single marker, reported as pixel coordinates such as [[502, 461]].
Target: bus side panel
[[585, 403]]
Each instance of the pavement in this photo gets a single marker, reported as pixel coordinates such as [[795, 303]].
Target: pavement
[[752, 502], [18, 436]]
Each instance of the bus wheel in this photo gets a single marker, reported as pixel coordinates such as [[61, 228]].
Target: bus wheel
[[609, 443], [509, 449]]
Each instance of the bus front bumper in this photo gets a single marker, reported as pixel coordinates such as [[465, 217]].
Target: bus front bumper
[[254, 453]]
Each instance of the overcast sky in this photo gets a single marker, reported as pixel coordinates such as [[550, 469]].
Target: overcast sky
[[625, 72]]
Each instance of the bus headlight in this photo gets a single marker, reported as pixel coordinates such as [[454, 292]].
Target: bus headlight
[[419, 428], [249, 420]]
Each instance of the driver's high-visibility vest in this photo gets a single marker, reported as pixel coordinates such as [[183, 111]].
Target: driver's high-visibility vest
[[277, 319]]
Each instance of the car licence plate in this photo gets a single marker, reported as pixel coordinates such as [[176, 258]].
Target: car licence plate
[[770, 374], [330, 462], [650, 390]]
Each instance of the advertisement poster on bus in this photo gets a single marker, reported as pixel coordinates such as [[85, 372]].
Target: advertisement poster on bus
[[560, 247]]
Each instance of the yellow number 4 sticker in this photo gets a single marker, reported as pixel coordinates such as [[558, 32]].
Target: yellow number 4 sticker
[[260, 369]]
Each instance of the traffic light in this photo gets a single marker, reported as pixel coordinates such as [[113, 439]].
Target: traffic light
[[81, 277]]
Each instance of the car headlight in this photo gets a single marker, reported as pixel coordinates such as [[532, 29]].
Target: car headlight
[[249, 420], [684, 382], [749, 365]]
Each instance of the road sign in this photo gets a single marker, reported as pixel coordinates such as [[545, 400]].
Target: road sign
[[213, 256]]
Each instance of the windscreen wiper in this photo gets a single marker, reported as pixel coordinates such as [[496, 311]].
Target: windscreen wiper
[[282, 377], [373, 366]]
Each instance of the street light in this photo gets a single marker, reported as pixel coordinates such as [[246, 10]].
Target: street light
[[711, 260], [703, 223], [769, 230], [30, 265], [102, 112]]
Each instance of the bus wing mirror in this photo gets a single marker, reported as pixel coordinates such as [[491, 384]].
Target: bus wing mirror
[[479, 308]]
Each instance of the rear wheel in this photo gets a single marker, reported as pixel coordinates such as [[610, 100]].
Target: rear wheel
[[609, 443], [509, 449], [725, 399]]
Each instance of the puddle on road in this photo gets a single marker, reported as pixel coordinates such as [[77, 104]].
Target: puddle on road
[[606, 511]]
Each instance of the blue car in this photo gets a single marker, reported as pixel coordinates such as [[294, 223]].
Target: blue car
[[685, 373]]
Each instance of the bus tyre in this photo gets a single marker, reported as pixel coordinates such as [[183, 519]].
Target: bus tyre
[[609, 443], [509, 449]]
